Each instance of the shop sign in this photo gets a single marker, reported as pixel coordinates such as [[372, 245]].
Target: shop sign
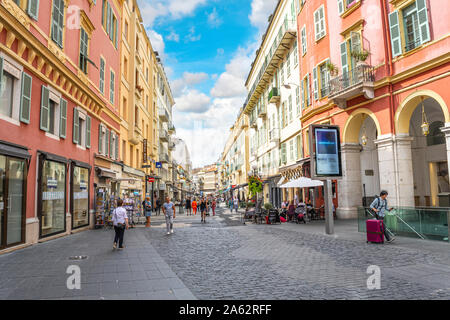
[[83, 185], [80, 195], [144, 151], [49, 195], [325, 145], [2, 205], [52, 183]]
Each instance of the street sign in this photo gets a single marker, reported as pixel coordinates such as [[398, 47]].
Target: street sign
[[151, 179], [159, 165]]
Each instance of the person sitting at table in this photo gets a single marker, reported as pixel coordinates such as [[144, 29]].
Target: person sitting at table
[[291, 211]]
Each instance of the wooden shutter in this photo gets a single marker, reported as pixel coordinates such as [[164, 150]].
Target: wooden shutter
[[316, 25], [60, 22], [63, 119], [106, 152], [88, 132], [315, 84], [116, 156], [103, 13], [340, 7], [76, 127], [424, 27], [304, 44], [33, 9], [25, 100], [344, 61], [396, 40], [111, 144], [303, 93], [108, 17], [117, 33], [1, 70], [100, 144], [321, 22], [308, 90], [356, 41], [45, 108]]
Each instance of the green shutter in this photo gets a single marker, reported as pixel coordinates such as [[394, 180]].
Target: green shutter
[[344, 61], [102, 76], [315, 84], [117, 33], [107, 143], [76, 127], [33, 9], [308, 90], [63, 119], [88, 132], [100, 145], [302, 94], [108, 17], [111, 144], [396, 41], [25, 100], [340, 7], [116, 156], [423, 20], [103, 13], [45, 108]]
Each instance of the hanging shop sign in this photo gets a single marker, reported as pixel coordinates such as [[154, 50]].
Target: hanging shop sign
[[325, 144], [144, 151]]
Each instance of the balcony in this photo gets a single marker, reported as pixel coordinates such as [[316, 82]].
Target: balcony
[[352, 83], [163, 114], [171, 128], [253, 123], [262, 111], [274, 96], [164, 157], [282, 43], [274, 135], [163, 135]]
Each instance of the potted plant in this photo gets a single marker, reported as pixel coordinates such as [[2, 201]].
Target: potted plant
[[268, 206], [360, 56], [332, 68]]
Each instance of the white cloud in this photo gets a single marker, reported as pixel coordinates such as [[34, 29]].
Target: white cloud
[[188, 80], [174, 9], [157, 41], [192, 101], [261, 10], [173, 36], [214, 19], [191, 37]]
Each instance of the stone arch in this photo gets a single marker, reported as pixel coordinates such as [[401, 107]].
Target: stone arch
[[354, 122], [405, 110]]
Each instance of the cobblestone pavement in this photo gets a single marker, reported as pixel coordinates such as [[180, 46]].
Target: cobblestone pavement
[[224, 259]]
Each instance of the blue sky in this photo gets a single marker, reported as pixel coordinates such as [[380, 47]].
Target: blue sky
[[207, 47]]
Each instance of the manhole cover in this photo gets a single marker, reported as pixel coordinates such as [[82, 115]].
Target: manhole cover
[[78, 257]]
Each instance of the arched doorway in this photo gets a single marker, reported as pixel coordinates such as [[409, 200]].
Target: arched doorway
[[360, 181]]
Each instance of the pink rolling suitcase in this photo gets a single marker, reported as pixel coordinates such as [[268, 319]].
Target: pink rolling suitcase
[[375, 231]]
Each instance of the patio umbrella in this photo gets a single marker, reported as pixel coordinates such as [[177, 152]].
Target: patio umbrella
[[302, 182]]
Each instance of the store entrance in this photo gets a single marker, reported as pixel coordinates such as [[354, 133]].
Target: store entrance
[[12, 190]]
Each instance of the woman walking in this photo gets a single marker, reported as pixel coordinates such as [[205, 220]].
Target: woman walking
[[203, 208], [120, 222], [213, 205], [194, 207], [147, 205], [188, 206]]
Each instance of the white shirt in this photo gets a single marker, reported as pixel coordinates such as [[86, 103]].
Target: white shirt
[[119, 216]]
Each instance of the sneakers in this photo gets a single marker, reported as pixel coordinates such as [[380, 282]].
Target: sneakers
[[390, 240], [168, 233], [171, 231], [114, 245]]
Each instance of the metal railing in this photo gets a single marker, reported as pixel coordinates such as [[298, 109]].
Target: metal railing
[[419, 222], [413, 44], [356, 76], [274, 92]]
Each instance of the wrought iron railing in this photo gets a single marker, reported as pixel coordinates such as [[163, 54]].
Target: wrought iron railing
[[413, 44], [356, 76]]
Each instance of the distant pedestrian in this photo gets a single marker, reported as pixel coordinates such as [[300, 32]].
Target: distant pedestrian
[[188, 206], [158, 207], [194, 207], [203, 208], [236, 204], [230, 204], [147, 205], [213, 206], [120, 222], [379, 206], [169, 213]]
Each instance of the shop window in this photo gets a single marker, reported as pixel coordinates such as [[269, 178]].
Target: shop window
[[57, 30], [436, 136], [80, 197], [409, 27]]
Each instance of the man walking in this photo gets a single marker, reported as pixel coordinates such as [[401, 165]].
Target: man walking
[[158, 207], [379, 206], [236, 204], [169, 213]]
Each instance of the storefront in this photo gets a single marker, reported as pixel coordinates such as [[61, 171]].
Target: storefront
[[79, 196], [14, 162], [52, 181]]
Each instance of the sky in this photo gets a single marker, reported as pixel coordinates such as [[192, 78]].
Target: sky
[[207, 47]]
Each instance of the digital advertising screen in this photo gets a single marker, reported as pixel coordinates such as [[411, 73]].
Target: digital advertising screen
[[326, 151]]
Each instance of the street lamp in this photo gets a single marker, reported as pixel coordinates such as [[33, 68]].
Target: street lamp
[[288, 85]]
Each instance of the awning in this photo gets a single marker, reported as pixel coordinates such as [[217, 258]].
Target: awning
[[53, 157], [14, 150], [281, 181], [81, 164], [102, 172], [136, 172], [302, 182]]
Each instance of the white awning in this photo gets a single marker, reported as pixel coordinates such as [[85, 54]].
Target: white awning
[[280, 182], [302, 182]]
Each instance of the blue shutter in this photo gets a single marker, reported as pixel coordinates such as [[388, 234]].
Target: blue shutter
[[45, 108], [423, 20], [25, 100], [88, 132], [33, 9], [63, 119], [396, 41], [76, 127]]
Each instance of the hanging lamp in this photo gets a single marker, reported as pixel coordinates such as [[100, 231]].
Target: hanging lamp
[[425, 125]]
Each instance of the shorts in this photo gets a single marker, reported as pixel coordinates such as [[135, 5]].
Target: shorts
[[148, 213]]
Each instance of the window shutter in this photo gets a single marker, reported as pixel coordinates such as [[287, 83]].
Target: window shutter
[[117, 33], [33, 9], [344, 58], [88, 132], [108, 17], [25, 101], [356, 41], [102, 75], [321, 22], [303, 95], [423, 20], [111, 23], [106, 152], [308, 90], [60, 23], [45, 106], [111, 144], [316, 84], [76, 127], [116, 156], [316, 25], [103, 13], [396, 41], [63, 119], [100, 144], [340, 7], [1, 70]]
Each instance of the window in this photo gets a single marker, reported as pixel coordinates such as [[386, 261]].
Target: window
[[84, 40], [306, 101], [436, 136], [344, 5], [7, 94], [303, 34], [58, 22], [102, 75], [288, 65], [112, 87], [319, 23], [110, 22], [283, 159], [409, 27], [295, 53], [29, 6], [124, 146], [290, 108], [321, 79], [81, 128], [307, 142], [297, 99], [103, 136], [299, 147], [53, 113]]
